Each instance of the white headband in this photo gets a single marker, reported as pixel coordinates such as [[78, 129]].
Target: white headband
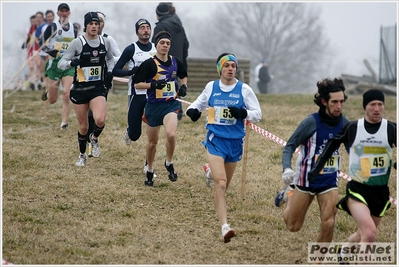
[[100, 15]]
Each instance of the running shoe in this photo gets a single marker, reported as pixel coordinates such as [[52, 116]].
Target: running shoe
[[44, 95], [343, 258], [148, 179], [64, 127], [146, 169], [95, 146], [227, 233], [126, 138], [81, 160], [172, 174], [282, 196], [90, 152]]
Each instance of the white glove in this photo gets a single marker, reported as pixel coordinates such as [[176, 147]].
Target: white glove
[[288, 176]]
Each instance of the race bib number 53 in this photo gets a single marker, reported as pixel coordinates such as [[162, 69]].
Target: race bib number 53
[[221, 116]]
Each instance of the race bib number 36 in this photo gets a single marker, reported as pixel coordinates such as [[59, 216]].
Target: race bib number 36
[[89, 74]]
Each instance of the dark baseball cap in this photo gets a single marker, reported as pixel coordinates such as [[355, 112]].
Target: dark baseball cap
[[63, 5]]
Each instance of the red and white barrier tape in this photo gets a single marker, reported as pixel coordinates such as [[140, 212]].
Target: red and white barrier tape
[[268, 135], [4, 262], [119, 79]]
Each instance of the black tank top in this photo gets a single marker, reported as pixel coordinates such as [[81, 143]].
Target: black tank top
[[90, 73]]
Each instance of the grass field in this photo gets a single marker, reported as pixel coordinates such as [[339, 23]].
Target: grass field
[[57, 213]]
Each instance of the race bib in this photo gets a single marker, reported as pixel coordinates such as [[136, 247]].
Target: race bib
[[220, 116], [374, 165], [89, 74], [169, 90], [331, 165], [61, 47]]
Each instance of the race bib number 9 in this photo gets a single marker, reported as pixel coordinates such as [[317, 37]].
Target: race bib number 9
[[220, 116], [89, 74], [169, 90]]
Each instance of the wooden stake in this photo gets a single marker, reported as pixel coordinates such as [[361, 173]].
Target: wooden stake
[[244, 160]]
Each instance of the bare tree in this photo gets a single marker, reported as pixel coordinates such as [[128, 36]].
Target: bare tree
[[289, 35]]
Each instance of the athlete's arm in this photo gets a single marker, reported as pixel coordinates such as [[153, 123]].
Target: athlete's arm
[[304, 130], [127, 54]]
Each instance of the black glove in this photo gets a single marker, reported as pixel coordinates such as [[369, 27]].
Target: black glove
[[132, 71], [394, 165], [52, 53], [108, 80], [182, 90], [193, 113], [238, 113], [158, 84], [75, 62]]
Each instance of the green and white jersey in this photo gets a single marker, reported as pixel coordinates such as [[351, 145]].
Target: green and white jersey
[[370, 156]]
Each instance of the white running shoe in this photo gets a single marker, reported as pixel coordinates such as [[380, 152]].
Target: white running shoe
[[208, 179], [81, 160], [146, 169], [90, 152], [227, 233], [126, 138], [64, 127], [95, 146]]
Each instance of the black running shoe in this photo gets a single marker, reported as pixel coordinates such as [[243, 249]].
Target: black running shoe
[[148, 181], [44, 95], [172, 174]]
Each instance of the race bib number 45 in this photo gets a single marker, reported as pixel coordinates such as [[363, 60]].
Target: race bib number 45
[[374, 165]]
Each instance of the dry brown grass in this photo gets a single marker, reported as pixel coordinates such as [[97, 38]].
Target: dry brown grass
[[56, 213]]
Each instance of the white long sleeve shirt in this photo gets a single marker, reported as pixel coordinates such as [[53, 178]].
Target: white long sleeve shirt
[[250, 100]]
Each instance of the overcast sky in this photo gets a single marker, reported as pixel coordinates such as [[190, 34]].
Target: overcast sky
[[353, 27]]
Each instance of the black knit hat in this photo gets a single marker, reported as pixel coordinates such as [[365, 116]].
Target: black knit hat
[[162, 10], [371, 95], [91, 16], [160, 35], [141, 22]]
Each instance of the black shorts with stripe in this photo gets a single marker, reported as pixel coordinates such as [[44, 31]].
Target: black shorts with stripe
[[375, 197], [85, 94]]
